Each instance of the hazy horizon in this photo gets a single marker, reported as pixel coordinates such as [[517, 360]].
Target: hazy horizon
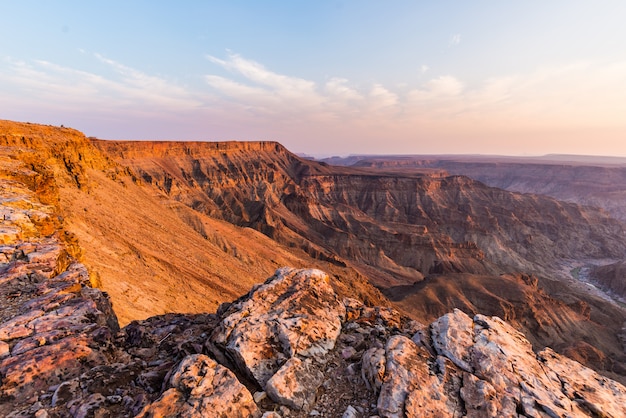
[[326, 78]]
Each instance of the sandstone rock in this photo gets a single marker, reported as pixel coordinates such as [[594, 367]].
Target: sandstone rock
[[19, 327], [452, 335], [373, 368], [295, 312], [350, 412], [409, 389], [479, 398], [594, 394], [201, 388], [295, 384], [47, 365], [54, 331], [4, 349]]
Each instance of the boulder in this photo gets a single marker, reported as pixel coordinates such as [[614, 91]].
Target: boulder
[[295, 312], [295, 384], [409, 389], [202, 388]]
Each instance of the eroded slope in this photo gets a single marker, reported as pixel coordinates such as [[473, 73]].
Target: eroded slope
[[395, 228], [153, 255]]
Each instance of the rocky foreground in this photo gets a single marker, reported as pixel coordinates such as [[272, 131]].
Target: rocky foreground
[[289, 348]]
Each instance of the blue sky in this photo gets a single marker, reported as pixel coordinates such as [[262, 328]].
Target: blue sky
[[325, 77]]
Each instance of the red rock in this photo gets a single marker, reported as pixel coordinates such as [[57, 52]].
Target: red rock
[[47, 365]]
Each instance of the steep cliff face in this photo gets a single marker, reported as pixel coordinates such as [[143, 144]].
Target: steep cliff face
[[590, 181], [153, 255], [398, 228], [403, 226]]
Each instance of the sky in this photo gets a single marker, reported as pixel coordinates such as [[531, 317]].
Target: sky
[[325, 77]]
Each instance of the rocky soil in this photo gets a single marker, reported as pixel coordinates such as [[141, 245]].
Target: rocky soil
[[303, 343]]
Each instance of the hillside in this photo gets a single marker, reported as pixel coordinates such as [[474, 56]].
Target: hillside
[[153, 255], [404, 225], [183, 227], [409, 230], [585, 180]]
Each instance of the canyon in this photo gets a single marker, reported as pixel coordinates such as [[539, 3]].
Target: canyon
[[594, 181], [399, 279]]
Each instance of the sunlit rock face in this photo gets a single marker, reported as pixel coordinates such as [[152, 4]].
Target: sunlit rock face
[[388, 365], [295, 313], [289, 347], [54, 326], [428, 240], [405, 224]]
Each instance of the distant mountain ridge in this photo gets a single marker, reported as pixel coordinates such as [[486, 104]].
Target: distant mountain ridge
[[586, 180], [319, 208], [600, 160]]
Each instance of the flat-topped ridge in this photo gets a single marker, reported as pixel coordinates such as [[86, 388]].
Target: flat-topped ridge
[[134, 149]]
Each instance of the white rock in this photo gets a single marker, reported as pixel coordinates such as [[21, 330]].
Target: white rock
[[373, 368], [201, 388], [350, 412], [295, 384], [295, 312]]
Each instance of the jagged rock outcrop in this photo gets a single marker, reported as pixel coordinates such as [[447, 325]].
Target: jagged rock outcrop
[[291, 347], [387, 365], [53, 326], [329, 358], [201, 388], [294, 313]]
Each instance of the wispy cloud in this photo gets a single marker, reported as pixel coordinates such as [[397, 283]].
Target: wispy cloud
[[72, 88], [251, 101], [454, 40], [281, 93], [257, 73], [436, 88]]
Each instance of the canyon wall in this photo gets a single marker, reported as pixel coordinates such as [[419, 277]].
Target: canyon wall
[[184, 227]]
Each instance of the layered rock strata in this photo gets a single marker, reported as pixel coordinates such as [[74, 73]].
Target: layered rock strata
[[395, 227], [53, 326], [291, 347]]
